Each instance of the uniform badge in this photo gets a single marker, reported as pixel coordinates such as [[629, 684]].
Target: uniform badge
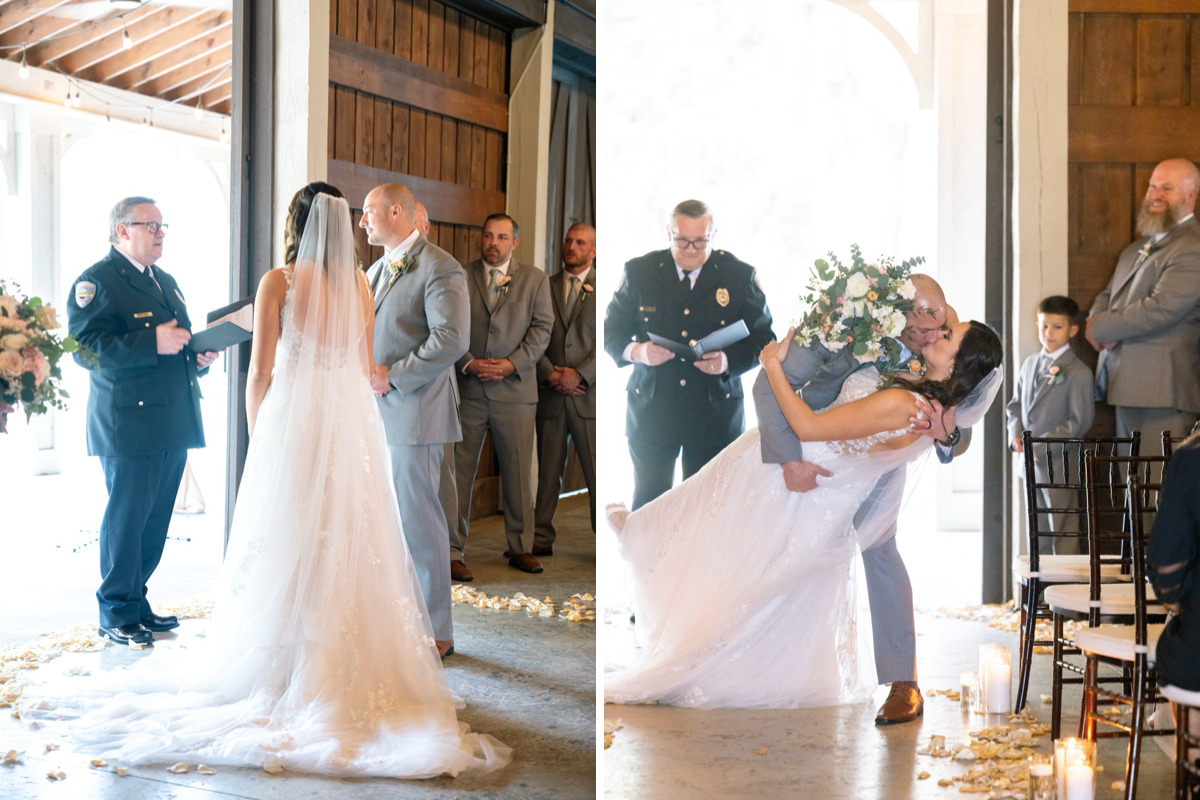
[[85, 292], [722, 297]]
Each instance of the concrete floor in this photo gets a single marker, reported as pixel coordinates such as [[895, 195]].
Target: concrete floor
[[664, 752], [528, 680]]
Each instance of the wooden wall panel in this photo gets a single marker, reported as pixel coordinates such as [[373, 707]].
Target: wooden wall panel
[[419, 95], [1134, 100]]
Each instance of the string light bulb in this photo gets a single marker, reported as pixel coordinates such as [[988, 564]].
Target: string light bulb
[[24, 70], [67, 99], [199, 111], [224, 135], [78, 101], [126, 39]]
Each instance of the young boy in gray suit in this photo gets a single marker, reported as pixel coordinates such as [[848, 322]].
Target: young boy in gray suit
[[1053, 398]]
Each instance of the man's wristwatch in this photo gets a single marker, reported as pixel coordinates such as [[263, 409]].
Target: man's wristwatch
[[952, 440]]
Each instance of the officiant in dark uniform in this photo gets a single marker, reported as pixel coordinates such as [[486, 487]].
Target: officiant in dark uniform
[[143, 409], [677, 406]]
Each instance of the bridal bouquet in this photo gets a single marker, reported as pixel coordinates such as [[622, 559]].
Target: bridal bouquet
[[861, 306], [29, 354]]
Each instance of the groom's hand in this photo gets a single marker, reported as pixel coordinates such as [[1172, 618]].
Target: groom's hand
[[931, 420], [379, 380], [801, 476]]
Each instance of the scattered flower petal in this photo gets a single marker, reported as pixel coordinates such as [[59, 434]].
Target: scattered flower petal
[[179, 769]]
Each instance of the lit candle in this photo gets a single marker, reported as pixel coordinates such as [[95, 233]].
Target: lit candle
[[999, 687], [1079, 783]]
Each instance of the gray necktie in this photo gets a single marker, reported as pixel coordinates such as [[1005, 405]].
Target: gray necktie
[[572, 293], [493, 287]]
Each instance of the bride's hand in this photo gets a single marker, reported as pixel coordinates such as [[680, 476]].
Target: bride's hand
[[776, 350]]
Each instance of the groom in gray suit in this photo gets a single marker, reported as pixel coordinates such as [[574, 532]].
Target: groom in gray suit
[[421, 324], [511, 317], [1146, 322], [821, 375]]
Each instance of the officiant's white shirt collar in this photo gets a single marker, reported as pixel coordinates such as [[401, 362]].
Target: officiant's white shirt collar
[[140, 266], [695, 273], [404, 246]]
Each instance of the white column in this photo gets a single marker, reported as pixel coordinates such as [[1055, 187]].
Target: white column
[[529, 136], [301, 102]]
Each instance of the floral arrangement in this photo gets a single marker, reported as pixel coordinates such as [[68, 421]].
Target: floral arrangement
[[861, 306], [29, 354], [398, 266]]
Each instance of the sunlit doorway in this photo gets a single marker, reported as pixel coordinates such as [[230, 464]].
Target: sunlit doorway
[[806, 126]]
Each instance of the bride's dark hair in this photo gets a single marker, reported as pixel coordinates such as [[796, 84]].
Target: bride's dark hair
[[979, 352], [297, 216]]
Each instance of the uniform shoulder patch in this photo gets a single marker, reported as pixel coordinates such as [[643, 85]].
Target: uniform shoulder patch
[[85, 292]]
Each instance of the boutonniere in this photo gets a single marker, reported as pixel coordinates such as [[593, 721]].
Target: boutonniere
[[1054, 375], [503, 281], [916, 365], [1149, 247], [587, 287], [398, 266]]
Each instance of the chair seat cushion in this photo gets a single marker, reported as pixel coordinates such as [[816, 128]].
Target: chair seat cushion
[[1117, 641], [1182, 696], [1066, 569], [1115, 599]]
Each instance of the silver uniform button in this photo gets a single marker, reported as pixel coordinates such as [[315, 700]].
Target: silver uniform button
[[140, 403], [683, 382]]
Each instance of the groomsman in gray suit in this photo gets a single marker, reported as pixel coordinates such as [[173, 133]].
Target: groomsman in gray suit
[[511, 318], [567, 378], [421, 324], [1146, 322]]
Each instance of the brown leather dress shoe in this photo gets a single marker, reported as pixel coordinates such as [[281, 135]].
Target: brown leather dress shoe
[[903, 704], [459, 572], [539, 550], [524, 562]]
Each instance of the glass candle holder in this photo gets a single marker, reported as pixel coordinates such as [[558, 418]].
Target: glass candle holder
[[1042, 785], [1074, 769], [969, 683]]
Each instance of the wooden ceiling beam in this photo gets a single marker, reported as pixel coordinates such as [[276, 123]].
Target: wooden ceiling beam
[[19, 13], [198, 55], [95, 42], [149, 42], [189, 80]]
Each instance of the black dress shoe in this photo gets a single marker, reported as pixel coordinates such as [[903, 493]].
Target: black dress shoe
[[159, 624], [127, 634]]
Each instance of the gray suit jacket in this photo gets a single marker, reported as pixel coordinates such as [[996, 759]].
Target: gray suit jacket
[[1045, 406], [421, 325], [519, 330], [820, 374], [1150, 311], [572, 344]]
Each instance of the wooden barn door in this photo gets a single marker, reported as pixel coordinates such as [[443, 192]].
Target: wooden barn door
[[418, 95], [1134, 97]]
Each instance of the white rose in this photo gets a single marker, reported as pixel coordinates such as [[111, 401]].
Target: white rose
[[894, 324], [854, 308], [857, 285], [13, 341], [907, 290]]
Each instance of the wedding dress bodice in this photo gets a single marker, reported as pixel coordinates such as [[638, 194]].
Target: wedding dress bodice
[[858, 385]]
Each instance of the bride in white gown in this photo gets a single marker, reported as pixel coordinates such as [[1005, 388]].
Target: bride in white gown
[[743, 591], [320, 656]]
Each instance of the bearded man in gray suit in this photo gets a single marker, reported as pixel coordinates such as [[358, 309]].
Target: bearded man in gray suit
[[567, 374], [1146, 322], [511, 317], [421, 324]]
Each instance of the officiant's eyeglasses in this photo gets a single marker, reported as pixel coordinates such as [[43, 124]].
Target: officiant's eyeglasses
[[695, 244], [153, 227]]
